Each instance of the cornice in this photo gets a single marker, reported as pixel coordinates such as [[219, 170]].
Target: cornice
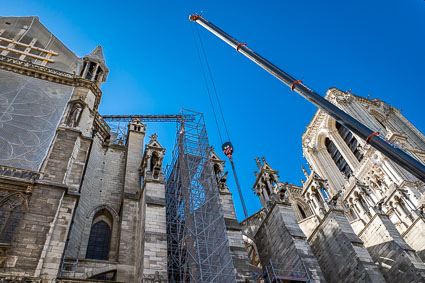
[[48, 74]]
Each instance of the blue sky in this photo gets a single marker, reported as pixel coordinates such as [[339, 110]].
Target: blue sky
[[372, 47]]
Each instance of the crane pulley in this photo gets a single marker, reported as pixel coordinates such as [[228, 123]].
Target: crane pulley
[[373, 138]]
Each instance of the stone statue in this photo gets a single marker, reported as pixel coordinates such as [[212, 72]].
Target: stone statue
[[74, 115], [257, 160], [304, 171]]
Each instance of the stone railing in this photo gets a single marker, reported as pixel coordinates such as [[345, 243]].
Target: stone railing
[[27, 64]]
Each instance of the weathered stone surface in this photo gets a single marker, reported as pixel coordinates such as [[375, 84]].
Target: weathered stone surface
[[340, 253]]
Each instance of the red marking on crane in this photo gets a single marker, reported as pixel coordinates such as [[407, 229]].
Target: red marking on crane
[[239, 45], [371, 135], [294, 83], [194, 18]]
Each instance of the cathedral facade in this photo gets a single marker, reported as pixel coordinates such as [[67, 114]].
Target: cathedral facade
[[78, 204]]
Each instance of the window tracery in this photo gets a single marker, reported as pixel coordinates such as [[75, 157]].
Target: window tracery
[[12, 208], [100, 236]]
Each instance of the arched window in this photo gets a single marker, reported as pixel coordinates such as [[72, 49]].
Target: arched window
[[100, 235], [99, 241], [337, 158], [154, 160], [303, 215], [12, 208], [350, 140]]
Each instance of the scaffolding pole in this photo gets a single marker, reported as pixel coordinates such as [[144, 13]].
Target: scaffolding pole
[[198, 248]]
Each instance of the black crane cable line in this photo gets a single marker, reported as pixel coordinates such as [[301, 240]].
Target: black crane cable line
[[206, 84], [221, 112], [212, 81]]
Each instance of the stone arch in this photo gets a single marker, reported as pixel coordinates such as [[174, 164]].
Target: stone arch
[[110, 210], [330, 123], [12, 208], [301, 208], [321, 136], [16, 194]]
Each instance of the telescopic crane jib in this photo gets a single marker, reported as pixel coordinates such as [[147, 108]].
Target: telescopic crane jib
[[371, 137]]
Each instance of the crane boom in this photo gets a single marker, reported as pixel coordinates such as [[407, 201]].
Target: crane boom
[[373, 138], [148, 118]]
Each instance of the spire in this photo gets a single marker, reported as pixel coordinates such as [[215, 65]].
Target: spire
[[97, 55], [94, 67]]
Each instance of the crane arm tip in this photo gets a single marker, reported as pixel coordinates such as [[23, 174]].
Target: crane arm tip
[[193, 18]]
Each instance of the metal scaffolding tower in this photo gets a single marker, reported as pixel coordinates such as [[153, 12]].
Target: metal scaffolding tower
[[198, 248], [119, 123]]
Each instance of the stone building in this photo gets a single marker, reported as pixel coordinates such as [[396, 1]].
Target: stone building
[[79, 205]]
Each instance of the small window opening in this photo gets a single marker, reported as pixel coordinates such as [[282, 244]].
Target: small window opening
[[303, 215], [154, 160], [325, 195]]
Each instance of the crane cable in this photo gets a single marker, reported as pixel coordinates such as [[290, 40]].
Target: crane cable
[[227, 147], [212, 81], [206, 83]]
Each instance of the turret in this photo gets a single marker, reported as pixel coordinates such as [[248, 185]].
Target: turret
[[94, 67], [266, 184]]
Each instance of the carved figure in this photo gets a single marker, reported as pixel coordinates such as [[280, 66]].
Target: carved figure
[[74, 115]]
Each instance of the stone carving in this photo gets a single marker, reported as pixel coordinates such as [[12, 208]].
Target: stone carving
[[74, 115], [222, 183], [18, 173], [257, 161], [4, 250], [304, 171], [153, 137]]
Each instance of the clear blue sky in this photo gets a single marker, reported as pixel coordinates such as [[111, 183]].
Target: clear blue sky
[[372, 47]]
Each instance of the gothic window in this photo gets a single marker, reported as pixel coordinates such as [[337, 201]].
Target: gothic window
[[350, 140], [338, 158], [154, 160], [303, 215], [12, 208], [99, 241], [323, 191]]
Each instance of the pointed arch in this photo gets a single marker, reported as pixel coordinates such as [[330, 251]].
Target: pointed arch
[[12, 209]]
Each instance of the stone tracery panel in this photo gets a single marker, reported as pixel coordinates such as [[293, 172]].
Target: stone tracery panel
[[30, 111]]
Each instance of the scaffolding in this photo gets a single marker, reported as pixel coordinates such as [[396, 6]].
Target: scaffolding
[[119, 123], [198, 248], [284, 272]]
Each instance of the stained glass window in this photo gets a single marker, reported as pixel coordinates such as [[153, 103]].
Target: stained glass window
[[11, 211], [99, 241]]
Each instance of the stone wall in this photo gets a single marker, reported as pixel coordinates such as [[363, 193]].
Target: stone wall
[[340, 253], [280, 240], [239, 252], [37, 231], [101, 188], [154, 232], [415, 235], [397, 261]]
